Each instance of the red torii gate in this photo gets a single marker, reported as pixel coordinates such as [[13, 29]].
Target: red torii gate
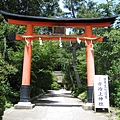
[[88, 37]]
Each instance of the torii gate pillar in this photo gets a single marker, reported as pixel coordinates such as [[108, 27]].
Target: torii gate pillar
[[25, 87], [90, 64]]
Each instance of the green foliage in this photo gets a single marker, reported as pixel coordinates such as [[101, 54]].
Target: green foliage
[[117, 98], [83, 96], [117, 8], [6, 92], [74, 6], [66, 79], [78, 90], [2, 101], [55, 86], [81, 64], [107, 60], [106, 9], [31, 7], [42, 66], [115, 93]]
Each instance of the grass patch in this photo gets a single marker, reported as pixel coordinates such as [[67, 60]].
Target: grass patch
[[83, 96]]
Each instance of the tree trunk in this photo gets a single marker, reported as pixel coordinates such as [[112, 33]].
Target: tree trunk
[[71, 78], [74, 64], [72, 6]]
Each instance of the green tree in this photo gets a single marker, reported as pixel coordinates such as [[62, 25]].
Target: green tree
[[106, 9], [42, 8], [107, 62], [43, 61], [6, 91], [81, 8], [114, 70]]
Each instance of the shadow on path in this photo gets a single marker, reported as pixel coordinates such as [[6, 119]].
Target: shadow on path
[[61, 98]]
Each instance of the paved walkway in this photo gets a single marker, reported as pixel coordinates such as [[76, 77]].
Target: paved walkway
[[55, 105]]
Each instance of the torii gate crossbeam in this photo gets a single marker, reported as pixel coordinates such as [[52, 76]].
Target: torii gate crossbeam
[[31, 21]]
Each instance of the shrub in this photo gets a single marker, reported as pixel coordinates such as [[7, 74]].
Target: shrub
[[55, 86], [2, 102], [83, 96], [78, 90], [115, 93], [7, 94]]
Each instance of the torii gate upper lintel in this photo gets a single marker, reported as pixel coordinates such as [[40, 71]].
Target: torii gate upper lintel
[[31, 21]]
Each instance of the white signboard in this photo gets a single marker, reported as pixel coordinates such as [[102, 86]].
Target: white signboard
[[101, 91]]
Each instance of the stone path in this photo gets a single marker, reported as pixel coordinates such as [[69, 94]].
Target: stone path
[[55, 105]]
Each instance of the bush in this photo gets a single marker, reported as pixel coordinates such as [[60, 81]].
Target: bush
[[117, 98], [7, 94], [83, 96], [78, 90], [55, 86], [115, 93], [2, 102]]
